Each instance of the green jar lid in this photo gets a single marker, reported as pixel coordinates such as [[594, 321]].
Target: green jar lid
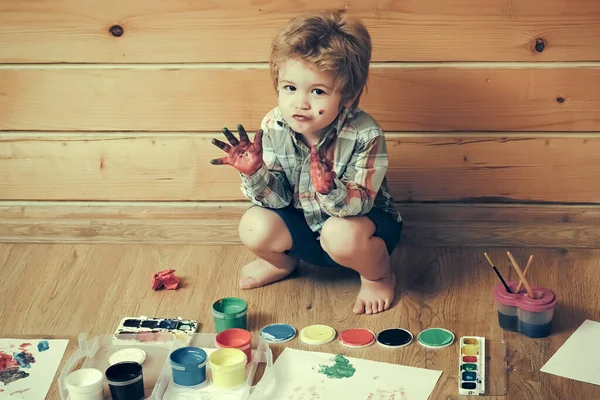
[[435, 338]]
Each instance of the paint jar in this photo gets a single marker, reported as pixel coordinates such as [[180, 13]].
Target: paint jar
[[520, 313], [227, 368], [230, 312], [236, 338], [189, 366], [125, 381], [85, 384]]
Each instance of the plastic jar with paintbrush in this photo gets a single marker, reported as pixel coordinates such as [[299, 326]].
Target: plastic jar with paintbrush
[[528, 311]]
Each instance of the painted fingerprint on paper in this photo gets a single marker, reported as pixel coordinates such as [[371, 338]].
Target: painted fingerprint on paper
[[379, 394], [12, 366], [28, 368]]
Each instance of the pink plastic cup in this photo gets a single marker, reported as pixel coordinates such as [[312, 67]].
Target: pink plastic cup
[[520, 313]]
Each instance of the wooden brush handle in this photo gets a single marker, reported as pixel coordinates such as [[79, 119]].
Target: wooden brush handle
[[524, 273], [527, 287]]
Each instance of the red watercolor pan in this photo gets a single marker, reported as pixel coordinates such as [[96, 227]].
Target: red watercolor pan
[[357, 338]]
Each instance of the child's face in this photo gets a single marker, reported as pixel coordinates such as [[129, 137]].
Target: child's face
[[307, 97]]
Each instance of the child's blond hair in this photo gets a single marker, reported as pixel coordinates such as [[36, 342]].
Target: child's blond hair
[[332, 42]]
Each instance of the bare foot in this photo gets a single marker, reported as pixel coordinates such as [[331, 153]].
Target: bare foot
[[260, 273], [375, 296]]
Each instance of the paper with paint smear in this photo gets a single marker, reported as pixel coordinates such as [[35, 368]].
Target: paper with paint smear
[[579, 357], [299, 375], [28, 367]]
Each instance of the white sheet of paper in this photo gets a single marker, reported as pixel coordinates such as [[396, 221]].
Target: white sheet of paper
[[33, 379], [297, 376], [579, 357]]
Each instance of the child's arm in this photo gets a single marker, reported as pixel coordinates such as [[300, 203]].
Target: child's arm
[[354, 193]]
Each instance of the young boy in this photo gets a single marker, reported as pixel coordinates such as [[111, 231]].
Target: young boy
[[317, 167]]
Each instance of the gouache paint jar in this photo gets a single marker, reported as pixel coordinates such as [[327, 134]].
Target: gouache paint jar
[[189, 366], [236, 338], [227, 368], [125, 381], [85, 384], [229, 312]]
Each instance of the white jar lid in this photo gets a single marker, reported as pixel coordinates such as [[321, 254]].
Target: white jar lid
[[129, 354]]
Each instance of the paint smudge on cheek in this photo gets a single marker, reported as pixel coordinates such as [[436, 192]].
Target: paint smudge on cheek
[[19, 391], [321, 112]]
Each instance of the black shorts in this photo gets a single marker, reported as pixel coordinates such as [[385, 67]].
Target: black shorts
[[307, 247]]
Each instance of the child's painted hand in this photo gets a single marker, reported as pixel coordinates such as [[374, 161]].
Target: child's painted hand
[[243, 155], [321, 172]]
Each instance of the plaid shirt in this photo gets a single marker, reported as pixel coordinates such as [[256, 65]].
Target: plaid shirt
[[356, 145]]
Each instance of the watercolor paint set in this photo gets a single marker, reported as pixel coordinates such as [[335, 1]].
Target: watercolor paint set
[[471, 372], [182, 329]]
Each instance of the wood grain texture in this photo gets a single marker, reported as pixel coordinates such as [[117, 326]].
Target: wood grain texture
[[426, 225], [437, 98], [113, 281], [411, 30], [176, 166]]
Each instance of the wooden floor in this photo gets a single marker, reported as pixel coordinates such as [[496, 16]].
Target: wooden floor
[[59, 291]]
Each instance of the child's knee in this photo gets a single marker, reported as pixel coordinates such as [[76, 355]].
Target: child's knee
[[262, 229], [341, 239]]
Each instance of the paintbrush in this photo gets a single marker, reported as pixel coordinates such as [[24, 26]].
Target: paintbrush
[[518, 269], [497, 273], [524, 273]]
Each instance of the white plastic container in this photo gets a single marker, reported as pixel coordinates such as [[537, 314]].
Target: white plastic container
[[263, 390], [158, 378], [96, 352]]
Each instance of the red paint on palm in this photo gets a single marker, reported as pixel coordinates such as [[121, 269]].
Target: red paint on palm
[[242, 154], [321, 172]]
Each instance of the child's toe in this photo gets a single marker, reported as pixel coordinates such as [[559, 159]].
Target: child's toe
[[359, 307]]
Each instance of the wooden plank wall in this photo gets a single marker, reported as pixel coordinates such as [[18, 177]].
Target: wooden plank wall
[[491, 110]]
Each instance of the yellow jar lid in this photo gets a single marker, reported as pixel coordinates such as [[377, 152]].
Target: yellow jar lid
[[317, 334]]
